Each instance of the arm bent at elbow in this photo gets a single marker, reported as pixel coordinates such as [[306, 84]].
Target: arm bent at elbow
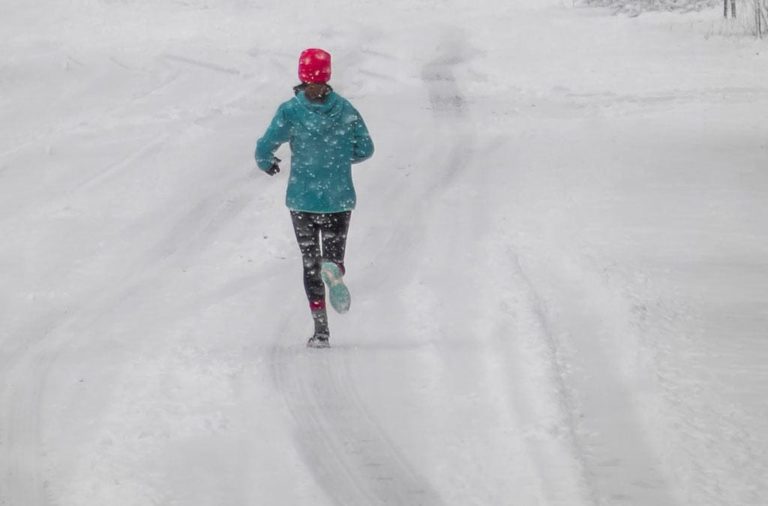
[[363, 144], [277, 133]]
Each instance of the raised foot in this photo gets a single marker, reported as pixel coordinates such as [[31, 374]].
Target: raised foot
[[337, 290]]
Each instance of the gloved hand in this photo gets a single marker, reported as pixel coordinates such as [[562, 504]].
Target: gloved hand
[[275, 167], [273, 170]]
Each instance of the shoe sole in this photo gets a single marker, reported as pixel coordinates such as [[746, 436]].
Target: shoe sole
[[337, 290], [318, 344]]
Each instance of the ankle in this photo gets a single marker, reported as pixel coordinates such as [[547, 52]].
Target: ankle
[[320, 319]]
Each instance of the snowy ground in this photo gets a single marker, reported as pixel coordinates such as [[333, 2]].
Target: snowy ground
[[559, 262]]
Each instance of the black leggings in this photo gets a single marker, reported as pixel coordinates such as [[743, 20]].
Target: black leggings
[[312, 231]]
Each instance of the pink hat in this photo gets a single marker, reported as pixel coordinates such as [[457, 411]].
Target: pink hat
[[314, 66]]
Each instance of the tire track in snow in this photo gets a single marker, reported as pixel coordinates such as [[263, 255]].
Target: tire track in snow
[[597, 392], [72, 124], [565, 335], [536, 397], [202, 64], [343, 445], [22, 400], [449, 104], [557, 411], [25, 371]]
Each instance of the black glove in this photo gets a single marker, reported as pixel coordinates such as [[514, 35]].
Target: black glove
[[275, 167]]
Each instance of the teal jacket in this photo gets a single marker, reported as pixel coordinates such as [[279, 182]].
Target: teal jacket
[[326, 139]]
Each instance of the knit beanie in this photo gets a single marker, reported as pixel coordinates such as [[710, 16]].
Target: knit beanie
[[314, 66]]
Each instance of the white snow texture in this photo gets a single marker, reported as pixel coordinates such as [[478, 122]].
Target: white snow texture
[[558, 264]]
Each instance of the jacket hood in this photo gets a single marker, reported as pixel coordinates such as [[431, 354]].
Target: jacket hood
[[320, 116]]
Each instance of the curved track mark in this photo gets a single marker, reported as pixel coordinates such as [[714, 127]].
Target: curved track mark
[[343, 445]]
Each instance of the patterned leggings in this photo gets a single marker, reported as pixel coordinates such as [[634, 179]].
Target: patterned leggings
[[321, 237]]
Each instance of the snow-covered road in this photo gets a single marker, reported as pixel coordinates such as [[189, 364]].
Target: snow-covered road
[[558, 264]]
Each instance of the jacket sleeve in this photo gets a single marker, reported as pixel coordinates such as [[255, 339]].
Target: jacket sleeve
[[277, 133], [362, 142]]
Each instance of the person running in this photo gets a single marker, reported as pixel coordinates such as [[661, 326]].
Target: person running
[[326, 135]]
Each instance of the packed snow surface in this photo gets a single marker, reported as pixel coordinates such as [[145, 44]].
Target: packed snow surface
[[559, 261]]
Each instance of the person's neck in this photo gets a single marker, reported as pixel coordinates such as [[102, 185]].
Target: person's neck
[[315, 92]]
